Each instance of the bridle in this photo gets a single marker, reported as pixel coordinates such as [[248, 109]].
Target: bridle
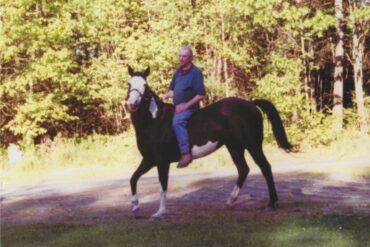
[[132, 90], [142, 95]]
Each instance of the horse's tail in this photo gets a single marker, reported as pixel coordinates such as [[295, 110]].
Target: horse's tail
[[276, 122]]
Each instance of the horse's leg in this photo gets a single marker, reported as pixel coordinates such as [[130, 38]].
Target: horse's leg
[[237, 155], [163, 170], [142, 169], [260, 159]]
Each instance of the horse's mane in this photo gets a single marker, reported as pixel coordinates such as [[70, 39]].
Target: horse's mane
[[163, 121], [164, 109]]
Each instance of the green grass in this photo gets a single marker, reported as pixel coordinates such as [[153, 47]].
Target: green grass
[[332, 230], [94, 157], [363, 172]]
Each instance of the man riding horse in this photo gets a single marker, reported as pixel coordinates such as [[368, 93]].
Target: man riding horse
[[232, 122], [187, 90]]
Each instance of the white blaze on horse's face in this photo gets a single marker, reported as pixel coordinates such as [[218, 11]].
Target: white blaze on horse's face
[[135, 93]]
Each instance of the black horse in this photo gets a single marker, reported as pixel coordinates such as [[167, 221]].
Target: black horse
[[233, 122]]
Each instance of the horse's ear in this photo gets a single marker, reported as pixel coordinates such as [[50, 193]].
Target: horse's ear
[[146, 72], [130, 71]]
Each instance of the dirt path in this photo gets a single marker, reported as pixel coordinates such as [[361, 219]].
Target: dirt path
[[199, 195]]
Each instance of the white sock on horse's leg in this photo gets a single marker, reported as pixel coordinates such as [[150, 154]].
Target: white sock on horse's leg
[[162, 205], [134, 203], [233, 196]]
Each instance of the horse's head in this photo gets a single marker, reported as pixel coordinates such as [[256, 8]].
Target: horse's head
[[137, 87]]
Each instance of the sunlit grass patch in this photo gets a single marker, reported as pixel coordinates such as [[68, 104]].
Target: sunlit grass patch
[[363, 172], [93, 157], [303, 233]]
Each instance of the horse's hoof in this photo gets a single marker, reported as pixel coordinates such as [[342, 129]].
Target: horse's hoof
[[272, 206], [155, 218], [231, 202], [135, 212]]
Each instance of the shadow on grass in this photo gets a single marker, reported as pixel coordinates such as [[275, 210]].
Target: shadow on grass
[[190, 195]]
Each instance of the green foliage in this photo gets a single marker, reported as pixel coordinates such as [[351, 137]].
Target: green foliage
[[64, 63], [316, 130], [360, 16], [50, 64], [319, 24], [38, 111], [305, 21], [282, 86]]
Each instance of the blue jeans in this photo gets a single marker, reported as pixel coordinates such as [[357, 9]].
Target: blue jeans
[[179, 123]]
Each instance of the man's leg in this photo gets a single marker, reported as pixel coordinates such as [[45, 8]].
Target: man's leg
[[179, 123]]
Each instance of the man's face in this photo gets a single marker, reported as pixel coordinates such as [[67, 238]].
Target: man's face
[[184, 58]]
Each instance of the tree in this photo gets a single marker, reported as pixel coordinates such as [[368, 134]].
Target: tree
[[304, 25], [63, 63], [34, 61], [338, 71], [359, 23], [47, 53]]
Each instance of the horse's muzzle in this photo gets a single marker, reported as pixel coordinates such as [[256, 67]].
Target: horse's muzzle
[[132, 107]]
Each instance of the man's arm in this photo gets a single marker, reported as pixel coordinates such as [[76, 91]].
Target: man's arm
[[184, 106], [168, 95]]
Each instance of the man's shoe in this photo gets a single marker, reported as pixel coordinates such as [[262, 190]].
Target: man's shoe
[[185, 160]]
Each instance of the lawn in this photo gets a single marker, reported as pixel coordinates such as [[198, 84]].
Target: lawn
[[329, 230], [117, 157]]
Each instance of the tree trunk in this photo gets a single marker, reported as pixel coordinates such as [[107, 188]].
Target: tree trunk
[[338, 71], [224, 62], [214, 74], [306, 73], [219, 68], [357, 55]]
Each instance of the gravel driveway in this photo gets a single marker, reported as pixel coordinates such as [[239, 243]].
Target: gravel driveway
[[300, 191]]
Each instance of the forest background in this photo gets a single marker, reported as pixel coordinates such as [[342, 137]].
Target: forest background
[[64, 63]]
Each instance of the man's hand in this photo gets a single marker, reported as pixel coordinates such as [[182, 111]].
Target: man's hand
[[181, 108], [168, 95], [163, 97], [184, 106]]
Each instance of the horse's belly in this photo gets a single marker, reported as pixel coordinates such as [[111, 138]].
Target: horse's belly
[[201, 151]]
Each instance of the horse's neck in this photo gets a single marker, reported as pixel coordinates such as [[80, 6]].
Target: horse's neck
[[146, 114], [154, 95], [150, 113], [141, 118]]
